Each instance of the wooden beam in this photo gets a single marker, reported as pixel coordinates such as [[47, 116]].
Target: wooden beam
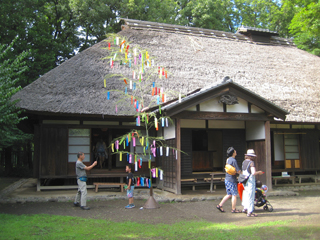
[[178, 144], [223, 116], [268, 155]]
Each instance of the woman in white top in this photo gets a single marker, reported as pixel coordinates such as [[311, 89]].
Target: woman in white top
[[248, 167]]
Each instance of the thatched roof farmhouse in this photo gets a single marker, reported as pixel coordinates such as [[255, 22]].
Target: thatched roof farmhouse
[[271, 70]]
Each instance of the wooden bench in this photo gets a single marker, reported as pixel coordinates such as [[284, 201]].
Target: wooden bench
[[197, 179], [276, 178], [97, 184], [314, 177]]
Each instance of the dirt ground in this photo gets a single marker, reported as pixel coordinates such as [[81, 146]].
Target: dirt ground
[[304, 208]]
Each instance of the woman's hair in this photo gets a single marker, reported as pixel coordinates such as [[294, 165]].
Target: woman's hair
[[230, 151], [249, 157]]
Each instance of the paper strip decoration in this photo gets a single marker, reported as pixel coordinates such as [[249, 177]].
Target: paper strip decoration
[[158, 100], [162, 121], [131, 99], [125, 81], [126, 90], [166, 74], [142, 140], [116, 108], [142, 181], [130, 158], [114, 57], [117, 145], [120, 156], [134, 86], [161, 151], [136, 166], [135, 52], [134, 75], [135, 60], [157, 172], [161, 175], [104, 83], [112, 147], [167, 151], [167, 123], [155, 122], [130, 63], [149, 163], [152, 92], [140, 160], [162, 97], [108, 95], [176, 155], [160, 109], [117, 40]]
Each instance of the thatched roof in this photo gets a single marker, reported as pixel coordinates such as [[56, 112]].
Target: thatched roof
[[195, 58]]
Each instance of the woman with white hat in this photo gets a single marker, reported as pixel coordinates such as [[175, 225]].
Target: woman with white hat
[[248, 168]]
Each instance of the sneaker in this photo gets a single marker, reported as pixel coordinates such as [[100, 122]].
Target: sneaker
[[85, 208], [132, 205], [75, 204], [128, 206]]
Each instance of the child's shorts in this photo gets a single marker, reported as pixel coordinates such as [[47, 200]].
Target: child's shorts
[[130, 192]]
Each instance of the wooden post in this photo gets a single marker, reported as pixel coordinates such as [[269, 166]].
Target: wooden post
[[268, 155], [178, 144]]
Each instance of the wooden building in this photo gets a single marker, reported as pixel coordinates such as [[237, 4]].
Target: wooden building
[[250, 89]]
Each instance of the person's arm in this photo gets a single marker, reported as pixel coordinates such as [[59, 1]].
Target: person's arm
[[91, 166], [254, 172]]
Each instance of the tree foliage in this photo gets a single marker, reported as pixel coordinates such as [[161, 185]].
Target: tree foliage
[[305, 27], [10, 71]]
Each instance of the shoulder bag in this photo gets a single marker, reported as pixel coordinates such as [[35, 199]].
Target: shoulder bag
[[244, 178], [230, 169]]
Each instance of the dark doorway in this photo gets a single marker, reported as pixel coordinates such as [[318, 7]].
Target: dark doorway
[[206, 150]]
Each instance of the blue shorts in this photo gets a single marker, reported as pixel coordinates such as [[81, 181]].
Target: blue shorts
[[130, 192], [231, 188]]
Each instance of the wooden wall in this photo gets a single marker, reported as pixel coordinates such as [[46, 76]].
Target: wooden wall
[[309, 148], [186, 147], [260, 163], [234, 138], [54, 151], [169, 167]]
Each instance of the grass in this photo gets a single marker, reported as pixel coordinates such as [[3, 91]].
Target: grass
[[41, 226]]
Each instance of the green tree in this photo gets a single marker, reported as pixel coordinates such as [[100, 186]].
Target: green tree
[[305, 27], [164, 11], [218, 15], [10, 73]]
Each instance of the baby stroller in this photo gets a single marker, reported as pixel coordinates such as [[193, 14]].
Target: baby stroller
[[260, 198]]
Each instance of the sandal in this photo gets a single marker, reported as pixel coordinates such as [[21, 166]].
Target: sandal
[[244, 210], [235, 211], [251, 215], [220, 208]]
